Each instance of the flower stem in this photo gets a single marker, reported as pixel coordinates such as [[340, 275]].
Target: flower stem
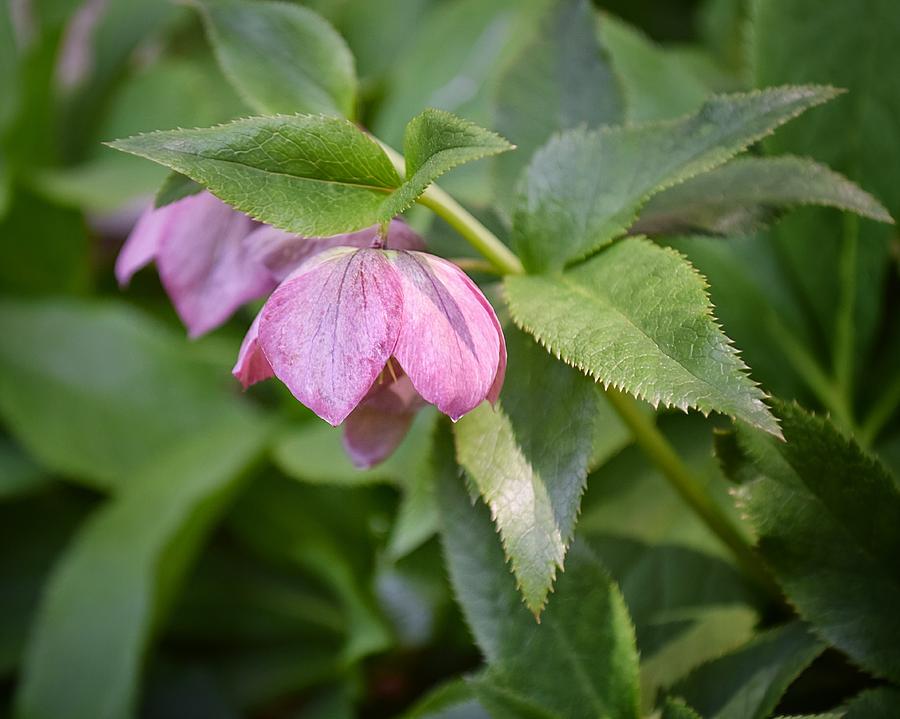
[[663, 455], [476, 234]]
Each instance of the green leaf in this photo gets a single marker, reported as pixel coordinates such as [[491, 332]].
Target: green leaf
[[39, 527], [637, 317], [529, 460], [677, 709], [97, 392], [434, 143], [19, 475], [175, 187], [453, 700], [310, 174], [585, 188], [850, 45], [281, 57], [45, 248], [584, 644], [880, 703], [656, 84], [744, 194], [274, 169], [747, 683], [118, 577], [826, 515], [559, 80]]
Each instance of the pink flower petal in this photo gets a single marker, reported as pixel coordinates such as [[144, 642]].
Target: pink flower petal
[[282, 252], [252, 366], [203, 263], [329, 329], [142, 244], [450, 344], [380, 422]]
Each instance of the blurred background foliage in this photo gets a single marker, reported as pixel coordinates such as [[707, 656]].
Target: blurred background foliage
[[172, 548]]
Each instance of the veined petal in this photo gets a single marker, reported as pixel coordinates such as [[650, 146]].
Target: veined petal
[[203, 263], [252, 366], [282, 252], [450, 344], [380, 422], [329, 329], [142, 244]]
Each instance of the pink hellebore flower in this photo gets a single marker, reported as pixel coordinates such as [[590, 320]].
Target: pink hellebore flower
[[212, 259], [369, 335]]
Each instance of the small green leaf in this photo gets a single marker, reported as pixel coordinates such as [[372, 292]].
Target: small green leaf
[[529, 460], [637, 317], [281, 57], [456, 699], [561, 79], [677, 709], [92, 391], [744, 194], [434, 143], [826, 515], [747, 683], [118, 577], [176, 187], [584, 188], [584, 644]]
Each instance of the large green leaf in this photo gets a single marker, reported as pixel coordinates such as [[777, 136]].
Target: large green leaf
[[559, 80], [454, 700], [744, 194], [850, 45], [314, 175], [826, 515], [584, 188], [96, 392], [584, 644], [636, 317], [118, 577], [282, 57], [529, 459], [656, 84], [747, 683]]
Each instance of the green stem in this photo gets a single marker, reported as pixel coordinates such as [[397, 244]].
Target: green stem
[[845, 334], [882, 411], [809, 369], [663, 455], [477, 235]]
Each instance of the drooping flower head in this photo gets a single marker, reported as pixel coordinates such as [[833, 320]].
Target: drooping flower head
[[351, 326]]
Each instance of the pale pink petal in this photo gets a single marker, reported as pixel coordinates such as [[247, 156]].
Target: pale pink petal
[[142, 244], [252, 366], [450, 343], [380, 422], [282, 252], [203, 263], [330, 327]]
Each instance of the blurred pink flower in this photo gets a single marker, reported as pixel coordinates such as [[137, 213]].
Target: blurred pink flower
[[369, 335]]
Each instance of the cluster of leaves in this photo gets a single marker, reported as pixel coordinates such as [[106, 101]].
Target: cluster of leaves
[[179, 550]]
